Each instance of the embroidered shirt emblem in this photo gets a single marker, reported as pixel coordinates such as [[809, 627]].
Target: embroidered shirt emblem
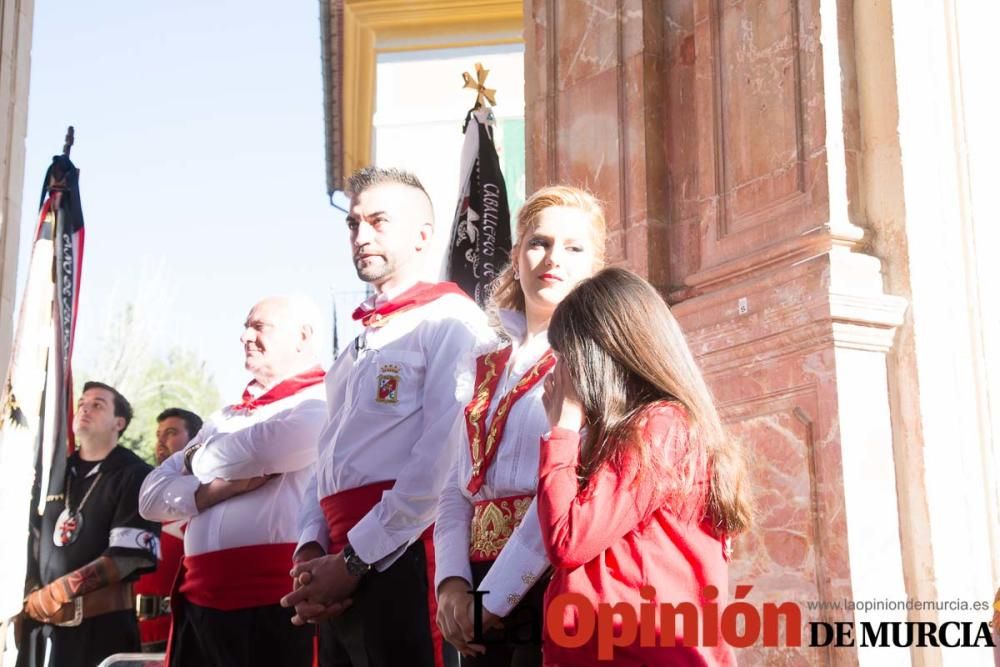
[[388, 384]]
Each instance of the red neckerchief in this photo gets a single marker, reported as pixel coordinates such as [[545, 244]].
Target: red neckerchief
[[489, 367], [283, 389], [417, 295]]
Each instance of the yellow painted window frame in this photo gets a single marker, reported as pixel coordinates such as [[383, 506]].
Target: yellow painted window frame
[[371, 27]]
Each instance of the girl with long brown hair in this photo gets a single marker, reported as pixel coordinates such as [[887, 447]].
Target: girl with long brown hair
[[487, 535], [640, 508]]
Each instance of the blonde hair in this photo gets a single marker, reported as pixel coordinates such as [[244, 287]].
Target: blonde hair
[[506, 290]]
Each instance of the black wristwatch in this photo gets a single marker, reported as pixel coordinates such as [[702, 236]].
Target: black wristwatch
[[189, 457], [355, 566]]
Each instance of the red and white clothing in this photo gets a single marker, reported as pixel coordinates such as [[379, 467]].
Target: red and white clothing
[[393, 398], [154, 588], [251, 537], [620, 534], [513, 472]]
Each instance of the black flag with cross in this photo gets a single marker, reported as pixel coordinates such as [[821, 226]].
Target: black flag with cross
[[481, 237]]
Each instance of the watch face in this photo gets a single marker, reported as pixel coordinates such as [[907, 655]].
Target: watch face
[[355, 566]]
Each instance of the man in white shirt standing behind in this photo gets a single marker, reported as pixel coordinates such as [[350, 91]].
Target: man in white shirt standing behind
[[241, 482], [384, 451]]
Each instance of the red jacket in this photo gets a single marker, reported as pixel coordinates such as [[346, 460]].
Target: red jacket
[[619, 535]]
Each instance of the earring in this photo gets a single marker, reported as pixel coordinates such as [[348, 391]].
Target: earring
[[517, 276]]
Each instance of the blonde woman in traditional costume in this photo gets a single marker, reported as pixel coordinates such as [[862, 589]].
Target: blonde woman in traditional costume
[[487, 536]]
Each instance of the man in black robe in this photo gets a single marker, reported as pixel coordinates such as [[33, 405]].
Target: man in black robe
[[91, 546]]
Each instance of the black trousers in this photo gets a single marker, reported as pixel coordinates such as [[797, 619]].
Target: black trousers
[[85, 645], [389, 623], [519, 642], [258, 636]]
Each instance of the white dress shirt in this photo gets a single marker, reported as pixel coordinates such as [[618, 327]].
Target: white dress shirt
[[405, 439], [279, 437], [514, 472]]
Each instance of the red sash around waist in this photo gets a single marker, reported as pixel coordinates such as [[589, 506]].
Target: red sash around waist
[[345, 509], [250, 576]]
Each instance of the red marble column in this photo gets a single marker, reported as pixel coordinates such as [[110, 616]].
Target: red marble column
[[595, 116], [722, 135]]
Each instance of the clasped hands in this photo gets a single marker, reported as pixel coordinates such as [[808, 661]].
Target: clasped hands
[[43, 603], [321, 585], [455, 611]]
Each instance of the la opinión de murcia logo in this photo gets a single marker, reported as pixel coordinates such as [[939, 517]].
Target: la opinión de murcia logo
[[739, 624]]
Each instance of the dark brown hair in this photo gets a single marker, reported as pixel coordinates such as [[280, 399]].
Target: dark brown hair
[[122, 408], [192, 422], [625, 353]]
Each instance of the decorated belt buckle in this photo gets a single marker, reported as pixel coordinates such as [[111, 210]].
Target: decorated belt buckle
[[493, 522], [150, 606], [77, 614], [144, 606]]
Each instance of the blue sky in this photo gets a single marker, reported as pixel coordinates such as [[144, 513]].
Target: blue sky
[[199, 136]]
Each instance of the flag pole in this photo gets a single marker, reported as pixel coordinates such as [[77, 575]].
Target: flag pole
[[480, 235], [36, 398]]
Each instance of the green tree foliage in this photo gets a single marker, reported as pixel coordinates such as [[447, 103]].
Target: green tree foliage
[[178, 381], [125, 360]]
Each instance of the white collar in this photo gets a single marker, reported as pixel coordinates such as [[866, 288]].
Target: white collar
[[378, 298], [515, 325], [390, 294], [256, 389]]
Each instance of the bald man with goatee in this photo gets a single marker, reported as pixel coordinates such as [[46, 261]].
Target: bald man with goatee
[[240, 481]]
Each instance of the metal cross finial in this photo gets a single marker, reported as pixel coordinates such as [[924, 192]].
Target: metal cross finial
[[69, 141], [479, 85]]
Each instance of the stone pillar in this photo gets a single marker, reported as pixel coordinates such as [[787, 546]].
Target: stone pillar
[[929, 171], [725, 137], [15, 61], [594, 116]]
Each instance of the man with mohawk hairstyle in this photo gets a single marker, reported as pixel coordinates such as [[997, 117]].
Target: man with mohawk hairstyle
[[365, 558]]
